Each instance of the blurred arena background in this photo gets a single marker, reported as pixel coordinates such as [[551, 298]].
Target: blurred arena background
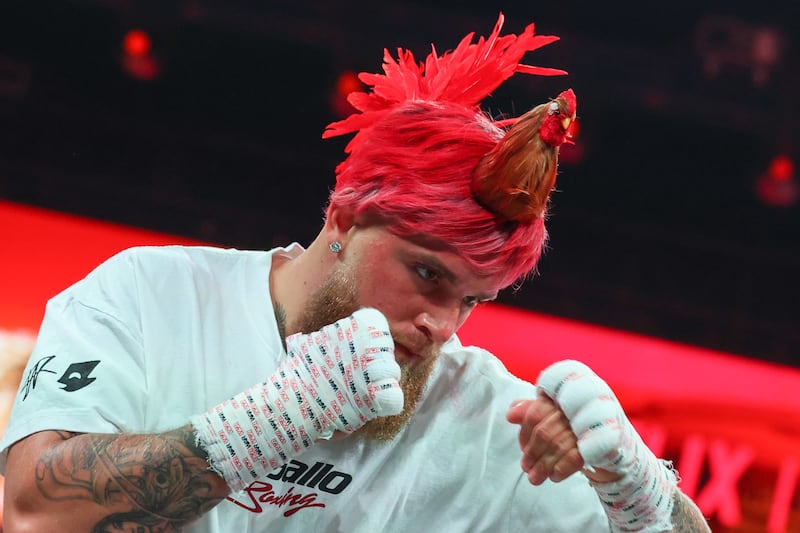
[[677, 214]]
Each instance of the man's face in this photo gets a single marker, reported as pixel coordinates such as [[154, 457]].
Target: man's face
[[426, 295]]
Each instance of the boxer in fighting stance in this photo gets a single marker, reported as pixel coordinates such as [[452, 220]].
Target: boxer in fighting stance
[[325, 388]]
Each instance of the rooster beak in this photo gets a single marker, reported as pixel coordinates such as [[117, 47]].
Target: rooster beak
[[565, 123]]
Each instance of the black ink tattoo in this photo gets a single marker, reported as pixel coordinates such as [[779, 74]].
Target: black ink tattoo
[[686, 517], [149, 483]]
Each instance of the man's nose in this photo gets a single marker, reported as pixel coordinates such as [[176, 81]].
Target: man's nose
[[439, 324]]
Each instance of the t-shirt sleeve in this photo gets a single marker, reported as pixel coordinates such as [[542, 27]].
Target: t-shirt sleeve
[[86, 372]]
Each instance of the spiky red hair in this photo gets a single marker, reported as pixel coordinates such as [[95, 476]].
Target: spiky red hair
[[419, 135]]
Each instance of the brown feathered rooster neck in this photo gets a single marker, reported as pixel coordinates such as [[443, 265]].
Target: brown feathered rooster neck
[[515, 179]]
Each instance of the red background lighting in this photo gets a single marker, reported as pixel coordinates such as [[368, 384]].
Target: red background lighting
[[137, 43], [781, 168]]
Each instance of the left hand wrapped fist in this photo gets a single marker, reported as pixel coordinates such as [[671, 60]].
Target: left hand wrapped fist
[[548, 444], [593, 412], [577, 423]]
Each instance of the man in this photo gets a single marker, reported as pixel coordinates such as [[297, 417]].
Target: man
[[324, 389]]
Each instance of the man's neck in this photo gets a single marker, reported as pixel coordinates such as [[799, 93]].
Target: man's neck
[[293, 279]]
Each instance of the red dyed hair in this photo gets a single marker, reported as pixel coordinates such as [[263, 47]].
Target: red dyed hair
[[427, 163], [413, 173]]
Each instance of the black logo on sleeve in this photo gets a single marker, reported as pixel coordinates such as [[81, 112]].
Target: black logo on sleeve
[[77, 376], [33, 375]]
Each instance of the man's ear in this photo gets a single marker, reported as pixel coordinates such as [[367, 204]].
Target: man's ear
[[340, 220]]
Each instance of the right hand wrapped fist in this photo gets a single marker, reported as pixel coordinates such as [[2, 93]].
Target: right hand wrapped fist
[[337, 378], [346, 371]]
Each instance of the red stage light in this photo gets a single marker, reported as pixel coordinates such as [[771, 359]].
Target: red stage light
[[781, 168], [136, 43], [143, 68], [777, 186], [137, 60], [347, 83]]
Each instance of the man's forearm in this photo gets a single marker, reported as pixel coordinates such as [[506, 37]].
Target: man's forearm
[[686, 517], [160, 481]]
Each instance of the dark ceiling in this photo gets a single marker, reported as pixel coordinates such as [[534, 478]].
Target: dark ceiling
[[656, 227]]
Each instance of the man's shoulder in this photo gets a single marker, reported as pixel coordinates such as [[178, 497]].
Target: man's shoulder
[[141, 269], [175, 253], [180, 258], [474, 364]]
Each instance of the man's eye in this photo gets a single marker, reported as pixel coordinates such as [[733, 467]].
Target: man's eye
[[426, 273]]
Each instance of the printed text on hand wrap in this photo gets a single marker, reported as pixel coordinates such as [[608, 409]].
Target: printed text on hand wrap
[[337, 378]]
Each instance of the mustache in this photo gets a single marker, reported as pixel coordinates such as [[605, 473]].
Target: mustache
[[417, 343]]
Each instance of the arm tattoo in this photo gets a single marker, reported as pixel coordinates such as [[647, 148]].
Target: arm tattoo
[[686, 517], [150, 483]]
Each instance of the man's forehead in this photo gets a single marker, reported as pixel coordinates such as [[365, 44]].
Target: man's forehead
[[431, 243]]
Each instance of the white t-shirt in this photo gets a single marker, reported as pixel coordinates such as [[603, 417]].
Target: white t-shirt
[[157, 334]]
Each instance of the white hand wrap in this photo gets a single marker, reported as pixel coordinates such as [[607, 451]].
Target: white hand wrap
[[642, 499], [337, 378]]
